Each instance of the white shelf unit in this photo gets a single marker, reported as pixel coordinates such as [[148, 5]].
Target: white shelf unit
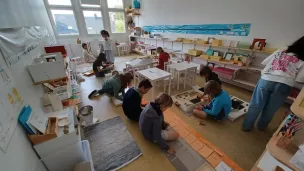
[[253, 68]]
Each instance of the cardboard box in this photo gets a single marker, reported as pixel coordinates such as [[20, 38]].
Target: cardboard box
[[195, 52], [217, 42], [206, 57], [216, 58]]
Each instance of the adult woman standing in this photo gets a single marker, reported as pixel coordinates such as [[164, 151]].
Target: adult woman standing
[[283, 69]]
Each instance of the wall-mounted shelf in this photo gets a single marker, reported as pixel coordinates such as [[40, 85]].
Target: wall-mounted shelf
[[208, 45]]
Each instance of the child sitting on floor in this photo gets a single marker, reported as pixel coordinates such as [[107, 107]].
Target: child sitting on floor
[[101, 61], [114, 85], [88, 57], [220, 105], [152, 124], [207, 73]]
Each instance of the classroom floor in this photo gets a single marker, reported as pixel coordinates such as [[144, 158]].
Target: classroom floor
[[242, 147]]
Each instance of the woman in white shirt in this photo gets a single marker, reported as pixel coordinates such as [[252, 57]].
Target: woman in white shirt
[[88, 57], [107, 46], [283, 69]]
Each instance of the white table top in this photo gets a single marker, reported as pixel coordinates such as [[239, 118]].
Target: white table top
[[183, 66], [140, 62], [154, 74]]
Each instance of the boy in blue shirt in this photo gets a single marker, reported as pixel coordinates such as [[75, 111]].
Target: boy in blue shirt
[[220, 105]]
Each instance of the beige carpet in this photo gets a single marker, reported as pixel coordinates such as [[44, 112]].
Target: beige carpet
[[242, 147]]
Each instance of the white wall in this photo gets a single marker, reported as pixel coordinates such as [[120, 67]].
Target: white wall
[[15, 13], [70, 41], [279, 21]]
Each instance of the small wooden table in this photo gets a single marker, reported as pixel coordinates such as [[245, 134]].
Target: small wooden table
[[181, 67], [155, 74]]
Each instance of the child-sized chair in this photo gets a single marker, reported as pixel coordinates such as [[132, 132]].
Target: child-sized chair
[[122, 48]]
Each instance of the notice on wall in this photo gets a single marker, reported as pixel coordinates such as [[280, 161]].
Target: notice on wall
[[11, 104], [207, 29]]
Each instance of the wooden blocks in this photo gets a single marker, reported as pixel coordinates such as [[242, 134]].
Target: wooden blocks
[[190, 138], [205, 151], [197, 145], [214, 159], [201, 42], [217, 159]]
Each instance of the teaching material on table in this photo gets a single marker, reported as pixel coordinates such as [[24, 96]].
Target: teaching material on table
[[11, 104], [46, 68], [110, 139], [63, 122], [39, 121], [269, 163], [298, 159], [24, 117], [56, 102]]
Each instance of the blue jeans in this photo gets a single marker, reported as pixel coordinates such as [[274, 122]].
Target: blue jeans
[[267, 98]]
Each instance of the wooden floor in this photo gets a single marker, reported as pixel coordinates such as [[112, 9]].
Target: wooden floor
[[242, 147]]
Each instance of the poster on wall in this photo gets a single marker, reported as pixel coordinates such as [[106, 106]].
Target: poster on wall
[[207, 29], [11, 104], [17, 42]]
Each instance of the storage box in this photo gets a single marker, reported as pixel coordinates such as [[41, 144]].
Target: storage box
[[216, 58], [217, 42], [195, 52], [47, 67], [201, 42], [188, 41], [205, 57], [179, 39]]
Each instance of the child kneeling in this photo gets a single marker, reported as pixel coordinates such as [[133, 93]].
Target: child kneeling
[[220, 105], [152, 124]]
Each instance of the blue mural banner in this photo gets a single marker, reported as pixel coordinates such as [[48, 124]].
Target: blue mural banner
[[209, 29]]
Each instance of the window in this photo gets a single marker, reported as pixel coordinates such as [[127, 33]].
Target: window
[[90, 3], [115, 4], [60, 2], [117, 21], [65, 22], [93, 21]]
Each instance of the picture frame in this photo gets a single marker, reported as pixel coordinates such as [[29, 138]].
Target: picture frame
[[216, 53], [229, 56]]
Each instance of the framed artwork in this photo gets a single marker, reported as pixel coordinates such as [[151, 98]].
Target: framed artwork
[[215, 53], [229, 56]]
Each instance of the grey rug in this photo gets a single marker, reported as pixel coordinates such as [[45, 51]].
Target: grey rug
[[112, 146]]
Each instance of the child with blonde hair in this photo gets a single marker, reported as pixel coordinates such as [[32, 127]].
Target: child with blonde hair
[[153, 126]]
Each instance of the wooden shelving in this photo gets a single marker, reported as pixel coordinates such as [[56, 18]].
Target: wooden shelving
[[298, 106]]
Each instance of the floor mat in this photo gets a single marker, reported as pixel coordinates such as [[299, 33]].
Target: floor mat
[[112, 146]]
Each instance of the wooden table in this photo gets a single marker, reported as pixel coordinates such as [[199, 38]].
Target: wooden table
[[182, 67], [155, 74]]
